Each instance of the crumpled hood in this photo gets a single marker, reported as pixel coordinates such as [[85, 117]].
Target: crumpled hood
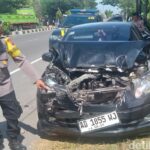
[[99, 54]]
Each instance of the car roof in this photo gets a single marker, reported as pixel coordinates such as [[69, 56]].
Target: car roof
[[116, 18], [81, 15], [101, 24], [84, 11]]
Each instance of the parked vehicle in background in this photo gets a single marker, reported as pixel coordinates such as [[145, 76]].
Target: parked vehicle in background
[[24, 18], [78, 16], [81, 16], [99, 79], [115, 18]]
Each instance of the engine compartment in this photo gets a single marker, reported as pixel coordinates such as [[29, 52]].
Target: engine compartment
[[95, 85]]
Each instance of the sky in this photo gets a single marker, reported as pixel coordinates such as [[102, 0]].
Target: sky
[[102, 8]]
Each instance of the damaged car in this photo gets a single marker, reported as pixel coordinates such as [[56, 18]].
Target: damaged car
[[99, 80]]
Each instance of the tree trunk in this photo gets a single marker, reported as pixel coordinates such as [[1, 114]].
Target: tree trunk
[[138, 6], [145, 10]]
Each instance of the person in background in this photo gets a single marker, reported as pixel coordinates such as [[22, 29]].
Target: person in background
[[8, 102], [100, 35], [137, 20]]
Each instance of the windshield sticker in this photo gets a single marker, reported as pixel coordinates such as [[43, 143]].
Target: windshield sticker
[[83, 37]]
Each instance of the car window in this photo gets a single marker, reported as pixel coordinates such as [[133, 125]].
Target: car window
[[104, 33], [76, 20], [116, 18], [138, 33], [135, 34]]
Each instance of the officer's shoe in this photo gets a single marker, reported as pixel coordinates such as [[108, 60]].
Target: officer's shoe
[[14, 144], [1, 142]]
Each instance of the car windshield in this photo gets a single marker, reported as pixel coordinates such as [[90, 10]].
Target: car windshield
[[97, 54], [76, 20], [100, 33]]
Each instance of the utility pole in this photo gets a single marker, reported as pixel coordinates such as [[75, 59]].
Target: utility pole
[[127, 9]]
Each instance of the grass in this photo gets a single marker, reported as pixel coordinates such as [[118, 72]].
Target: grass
[[91, 144]]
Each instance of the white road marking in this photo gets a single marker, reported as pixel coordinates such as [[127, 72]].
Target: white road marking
[[16, 70], [33, 62]]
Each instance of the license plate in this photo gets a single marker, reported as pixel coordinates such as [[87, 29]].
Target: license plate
[[98, 122]]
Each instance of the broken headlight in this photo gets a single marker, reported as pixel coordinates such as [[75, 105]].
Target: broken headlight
[[50, 82], [141, 87]]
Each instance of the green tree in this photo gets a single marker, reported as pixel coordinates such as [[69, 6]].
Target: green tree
[[6, 28], [50, 7], [110, 2], [59, 14], [127, 6], [11, 5], [108, 13], [37, 7], [68, 12], [88, 3]]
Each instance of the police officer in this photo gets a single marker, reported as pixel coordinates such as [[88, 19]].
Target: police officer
[[8, 102]]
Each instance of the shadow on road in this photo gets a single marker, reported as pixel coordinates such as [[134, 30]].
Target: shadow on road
[[24, 126], [28, 128]]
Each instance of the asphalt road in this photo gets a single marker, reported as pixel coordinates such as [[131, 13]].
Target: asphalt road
[[32, 46]]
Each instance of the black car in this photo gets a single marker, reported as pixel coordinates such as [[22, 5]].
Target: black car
[[77, 16], [99, 83], [116, 18]]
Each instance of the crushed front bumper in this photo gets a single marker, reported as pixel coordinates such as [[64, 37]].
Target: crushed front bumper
[[118, 131], [63, 119]]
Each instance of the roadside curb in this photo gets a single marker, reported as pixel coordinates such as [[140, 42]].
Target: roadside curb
[[21, 32]]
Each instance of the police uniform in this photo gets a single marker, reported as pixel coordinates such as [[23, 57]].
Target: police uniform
[[8, 102]]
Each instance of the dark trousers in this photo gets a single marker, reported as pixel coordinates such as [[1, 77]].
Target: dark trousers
[[11, 111]]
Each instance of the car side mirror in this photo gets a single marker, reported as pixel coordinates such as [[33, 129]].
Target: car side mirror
[[48, 56]]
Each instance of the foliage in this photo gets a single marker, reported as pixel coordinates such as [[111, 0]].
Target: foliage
[[11, 5], [68, 12], [50, 7], [88, 3], [127, 6], [45, 7], [37, 7], [59, 14], [108, 13], [110, 2], [6, 28]]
